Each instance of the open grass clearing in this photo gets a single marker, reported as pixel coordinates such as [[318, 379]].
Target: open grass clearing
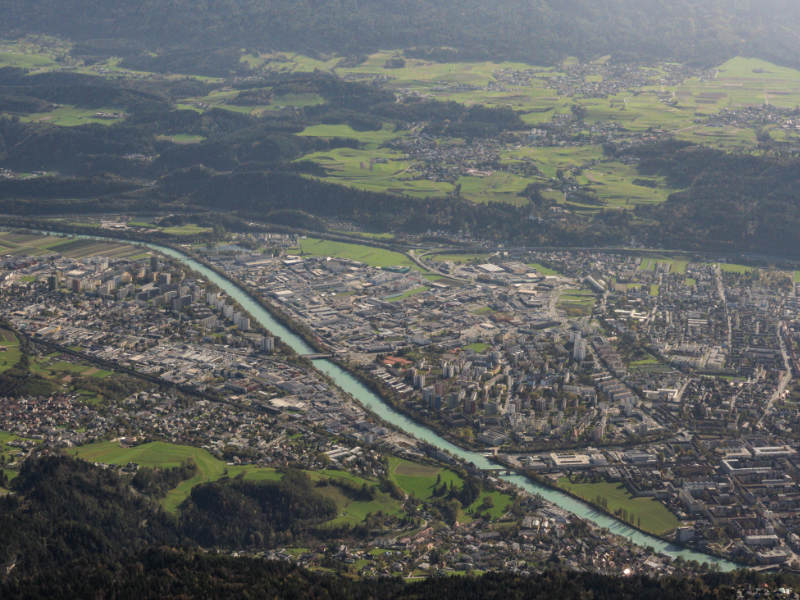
[[375, 170], [157, 454], [351, 511], [9, 350], [645, 513], [542, 270], [497, 187], [369, 255], [733, 268], [372, 138], [188, 229], [420, 479], [182, 138], [479, 347], [73, 116]]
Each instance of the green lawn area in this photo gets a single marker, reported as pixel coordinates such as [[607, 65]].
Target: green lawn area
[[500, 503], [189, 229], [419, 479], [408, 294], [9, 350], [50, 367], [647, 264], [479, 347], [733, 268], [676, 265], [650, 360], [647, 514], [376, 257], [654, 289], [542, 270]]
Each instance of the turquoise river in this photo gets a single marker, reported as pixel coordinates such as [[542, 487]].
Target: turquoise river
[[375, 404]]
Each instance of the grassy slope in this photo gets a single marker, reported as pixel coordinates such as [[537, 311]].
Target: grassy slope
[[419, 479], [9, 350]]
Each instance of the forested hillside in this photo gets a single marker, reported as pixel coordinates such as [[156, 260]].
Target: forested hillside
[[72, 530], [539, 31]]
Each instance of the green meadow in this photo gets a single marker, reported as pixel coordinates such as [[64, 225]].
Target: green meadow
[[645, 513], [369, 255], [164, 455]]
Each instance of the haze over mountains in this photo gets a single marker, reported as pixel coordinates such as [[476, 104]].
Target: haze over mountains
[[704, 32]]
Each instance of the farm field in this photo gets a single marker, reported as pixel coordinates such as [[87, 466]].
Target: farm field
[[676, 265], [23, 244], [376, 257], [679, 109], [737, 82], [576, 303], [646, 513]]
